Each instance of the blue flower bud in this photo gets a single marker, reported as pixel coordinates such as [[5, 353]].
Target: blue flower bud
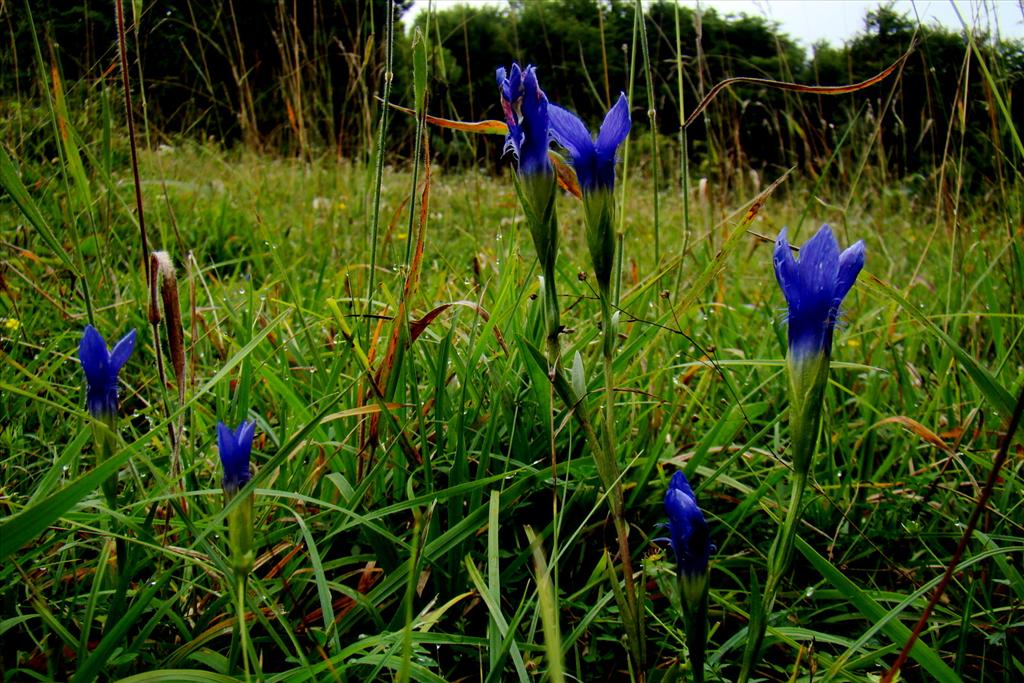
[[814, 287], [688, 531], [688, 536], [526, 113], [235, 448], [101, 369]]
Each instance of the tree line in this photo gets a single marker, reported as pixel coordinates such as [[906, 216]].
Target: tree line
[[300, 76]]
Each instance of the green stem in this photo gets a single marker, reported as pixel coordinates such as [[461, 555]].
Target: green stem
[[614, 486], [552, 321], [378, 174], [808, 375], [653, 118], [243, 626], [608, 472], [695, 621], [105, 438], [779, 558], [537, 194]]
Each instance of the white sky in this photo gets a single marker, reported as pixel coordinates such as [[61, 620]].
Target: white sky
[[809, 21]]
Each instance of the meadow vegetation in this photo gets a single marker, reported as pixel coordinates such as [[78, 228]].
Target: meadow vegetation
[[426, 502]]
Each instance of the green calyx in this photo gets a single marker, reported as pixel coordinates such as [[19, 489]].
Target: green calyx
[[693, 598], [692, 589], [599, 210], [808, 377], [537, 194], [240, 536]]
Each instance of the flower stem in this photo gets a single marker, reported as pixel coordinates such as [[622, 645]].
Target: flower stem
[[104, 435], [779, 558], [243, 627], [608, 472], [695, 622], [613, 485], [552, 321]]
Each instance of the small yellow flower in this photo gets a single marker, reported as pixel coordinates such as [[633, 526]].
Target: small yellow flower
[[11, 324]]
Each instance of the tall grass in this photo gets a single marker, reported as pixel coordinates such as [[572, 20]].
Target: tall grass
[[404, 466]]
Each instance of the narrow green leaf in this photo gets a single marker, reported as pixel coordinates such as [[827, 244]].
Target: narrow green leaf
[[993, 391], [178, 676], [494, 608], [117, 633], [875, 613], [323, 591], [10, 181], [548, 605]]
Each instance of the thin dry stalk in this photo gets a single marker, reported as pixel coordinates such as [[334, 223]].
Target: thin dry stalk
[[972, 522], [164, 279], [123, 49]]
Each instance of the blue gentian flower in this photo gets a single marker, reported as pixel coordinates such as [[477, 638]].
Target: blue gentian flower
[[593, 159], [688, 536], [815, 286], [529, 135], [526, 113], [688, 532], [101, 369], [235, 448]]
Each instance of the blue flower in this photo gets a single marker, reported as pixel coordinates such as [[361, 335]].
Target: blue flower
[[814, 287], [101, 368], [593, 160], [526, 113], [235, 448], [688, 532]]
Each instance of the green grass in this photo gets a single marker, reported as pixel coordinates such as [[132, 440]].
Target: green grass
[[408, 555], [445, 520]]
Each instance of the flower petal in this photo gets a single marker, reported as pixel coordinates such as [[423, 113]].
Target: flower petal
[[570, 132], [92, 353], [225, 443], [679, 483], [614, 130], [689, 532], [814, 286], [533, 148], [851, 262], [785, 270], [122, 352], [244, 435], [819, 261], [679, 507], [510, 82], [510, 92], [235, 447]]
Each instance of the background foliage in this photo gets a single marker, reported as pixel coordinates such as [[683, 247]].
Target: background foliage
[[303, 75]]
